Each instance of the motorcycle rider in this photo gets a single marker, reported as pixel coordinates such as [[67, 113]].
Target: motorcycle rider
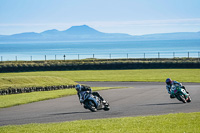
[[81, 88], [172, 83]]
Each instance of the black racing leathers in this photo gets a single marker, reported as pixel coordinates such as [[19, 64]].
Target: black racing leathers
[[90, 90]]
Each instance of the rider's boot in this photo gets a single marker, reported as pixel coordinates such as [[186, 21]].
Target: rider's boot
[[104, 101], [97, 94]]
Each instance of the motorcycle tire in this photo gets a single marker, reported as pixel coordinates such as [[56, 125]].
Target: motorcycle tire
[[182, 98], [90, 107], [106, 107]]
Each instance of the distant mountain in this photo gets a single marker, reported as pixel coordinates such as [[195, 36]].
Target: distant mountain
[[170, 36], [28, 36], [86, 33], [50, 32], [82, 30]]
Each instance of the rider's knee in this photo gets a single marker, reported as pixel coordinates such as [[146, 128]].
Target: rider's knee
[[172, 96], [95, 93]]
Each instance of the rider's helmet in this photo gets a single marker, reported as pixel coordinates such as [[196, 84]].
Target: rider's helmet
[[78, 87], [168, 81]]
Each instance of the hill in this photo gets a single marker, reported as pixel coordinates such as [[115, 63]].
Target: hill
[[75, 33], [86, 33]]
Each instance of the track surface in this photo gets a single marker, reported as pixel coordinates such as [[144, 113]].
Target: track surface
[[139, 99]]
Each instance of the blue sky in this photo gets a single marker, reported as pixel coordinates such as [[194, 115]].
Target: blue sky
[[135, 17]]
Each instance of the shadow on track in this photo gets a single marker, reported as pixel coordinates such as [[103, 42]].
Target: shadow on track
[[161, 104], [71, 113]]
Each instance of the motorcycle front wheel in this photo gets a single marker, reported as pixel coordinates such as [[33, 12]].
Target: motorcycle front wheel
[[106, 107], [182, 98], [91, 106], [189, 99]]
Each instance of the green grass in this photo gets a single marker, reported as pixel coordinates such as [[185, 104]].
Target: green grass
[[147, 75], [17, 99], [18, 81], [179, 123]]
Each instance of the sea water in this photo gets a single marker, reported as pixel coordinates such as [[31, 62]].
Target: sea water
[[99, 49]]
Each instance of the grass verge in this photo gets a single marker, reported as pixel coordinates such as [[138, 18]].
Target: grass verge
[[57, 77], [24, 98], [19, 81], [180, 123]]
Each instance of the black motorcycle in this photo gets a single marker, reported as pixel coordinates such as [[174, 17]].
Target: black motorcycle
[[93, 103]]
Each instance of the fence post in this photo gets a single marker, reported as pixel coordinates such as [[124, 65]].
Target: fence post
[[188, 54], [173, 54], [1, 58], [31, 58], [55, 57], [158, 54], [110, 56], [78, 56], [15, 58], [144, 55], [64, 57], [127, 55], [45, 57]]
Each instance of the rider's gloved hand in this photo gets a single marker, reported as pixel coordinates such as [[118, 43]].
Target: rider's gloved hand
[[183, 87], [90, 90]]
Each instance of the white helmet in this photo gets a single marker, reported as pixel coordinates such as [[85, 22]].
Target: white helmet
[[78, 87]]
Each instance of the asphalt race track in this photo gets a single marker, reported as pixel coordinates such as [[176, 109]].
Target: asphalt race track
[[139, 99]]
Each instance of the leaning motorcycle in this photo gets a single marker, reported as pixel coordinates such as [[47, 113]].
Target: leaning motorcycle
[[181, 94], [93, 103]]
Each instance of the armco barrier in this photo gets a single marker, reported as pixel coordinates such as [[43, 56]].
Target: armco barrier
[[33, 89]]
